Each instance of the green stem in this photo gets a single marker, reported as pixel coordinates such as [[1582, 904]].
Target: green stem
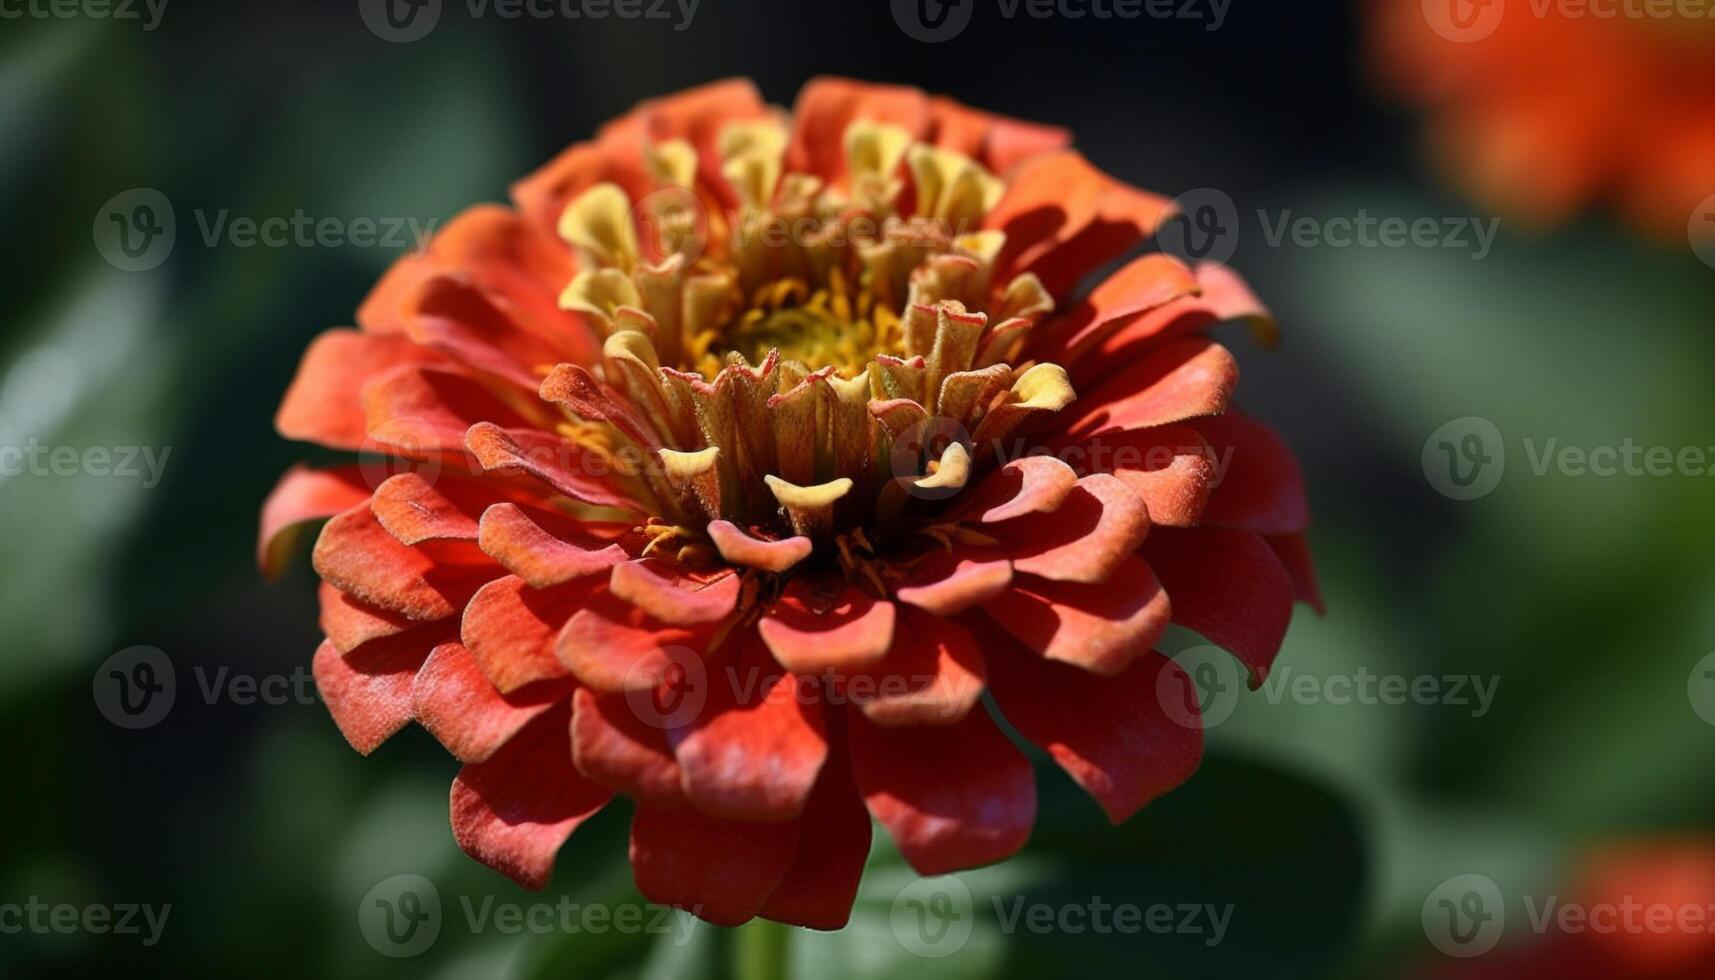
[[760, 949]]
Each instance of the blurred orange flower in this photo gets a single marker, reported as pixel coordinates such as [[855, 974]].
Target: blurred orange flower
[[734, 465], [1643, 911], [1544, 107]]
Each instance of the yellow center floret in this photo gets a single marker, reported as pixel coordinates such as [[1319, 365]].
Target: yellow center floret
[[807, 362]]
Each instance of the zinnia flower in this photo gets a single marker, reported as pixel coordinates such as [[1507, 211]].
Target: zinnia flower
[[1543, 109], [746, 453]]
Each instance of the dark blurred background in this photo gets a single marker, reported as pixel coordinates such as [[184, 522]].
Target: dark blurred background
[[1324, 826]]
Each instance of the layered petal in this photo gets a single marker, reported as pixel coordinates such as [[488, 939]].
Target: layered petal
[[324, 405], [514, 810], [1100, 628], [811, 629], [1261, 487], [952, 796], [722, 870], [302, 497], [1109, 733], [512, 630], [1230, 586], [368, 691], [1062, 218], [753, 751], [458, 705]]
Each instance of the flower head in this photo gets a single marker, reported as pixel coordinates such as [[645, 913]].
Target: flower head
[[731, 468]]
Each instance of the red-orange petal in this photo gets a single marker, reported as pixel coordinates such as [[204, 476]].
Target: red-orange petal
[[616, 746], [1182, 379], [810, 631], [675, 600], [952, 796], [995, 141], [1083, 540], [368, 691], [414, 510], [455, 702], [826, 106], [499, 252], [612, 645], [1146, 283], [1100, 628], [1111, 734], [350, 623], [754, 750], [1171, 468], [1063, 218], [1028, 485], [948, 583], [741, 548], [302, 497], [833, 843], [511, 629], [514, 811], [525, 548], [721, 870], [357, 555], [1229, 586], [933, 675], [562, 466], [428, 410], [1261, 487], [324, 403]]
